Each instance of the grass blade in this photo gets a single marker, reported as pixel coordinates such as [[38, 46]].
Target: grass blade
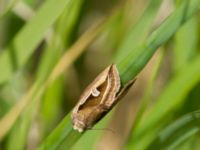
[[170, 99], [130, 66], [139, 31], [177, 132], [63, 131], [22, 46], [185, 43], [38, 88], [51, 55]]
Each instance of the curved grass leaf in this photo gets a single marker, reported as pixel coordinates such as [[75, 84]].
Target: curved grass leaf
[[177, 132], [170, 98]]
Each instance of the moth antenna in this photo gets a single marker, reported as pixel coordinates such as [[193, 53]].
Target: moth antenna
[[105, 129]]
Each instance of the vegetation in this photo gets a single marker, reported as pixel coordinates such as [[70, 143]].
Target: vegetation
[[51, 50]]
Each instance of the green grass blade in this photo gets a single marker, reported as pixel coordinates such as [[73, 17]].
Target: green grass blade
[[20, 129], [27, 40], [38, 88], [177, 132], [50, 107], [63, 131], [92, 137], [139, 31], [186, 41], [60, 39], [51, 55], [145, 52], [70, 136], [170, 98], [138, 57], [148, 91]]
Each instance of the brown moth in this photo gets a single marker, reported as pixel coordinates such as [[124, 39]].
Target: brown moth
[[98, 98]]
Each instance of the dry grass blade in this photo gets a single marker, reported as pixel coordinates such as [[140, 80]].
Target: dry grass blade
[[76, 50], [37, 89], [7, 8]]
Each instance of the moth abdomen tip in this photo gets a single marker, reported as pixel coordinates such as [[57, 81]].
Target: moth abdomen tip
[[80, 130]]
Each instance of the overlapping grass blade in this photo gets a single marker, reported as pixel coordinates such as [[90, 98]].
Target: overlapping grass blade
[[49, 58], [49, 106], [170, 98], [177, 132], [22, 46], [147, 93], [136, 60], [38, 88], [128, 67], [140, 55]]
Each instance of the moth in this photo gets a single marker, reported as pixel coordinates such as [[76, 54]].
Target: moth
[[98, 98]]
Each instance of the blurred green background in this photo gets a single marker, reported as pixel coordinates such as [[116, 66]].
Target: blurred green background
[[50, 50]]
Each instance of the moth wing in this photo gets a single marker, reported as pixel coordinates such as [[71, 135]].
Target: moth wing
[[100, 79], [121, 93], [112, 87]]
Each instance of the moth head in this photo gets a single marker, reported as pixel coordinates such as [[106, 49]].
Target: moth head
[[78, 123]]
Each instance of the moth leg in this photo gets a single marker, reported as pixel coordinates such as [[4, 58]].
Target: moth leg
[[95, 92], [121, 93]]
